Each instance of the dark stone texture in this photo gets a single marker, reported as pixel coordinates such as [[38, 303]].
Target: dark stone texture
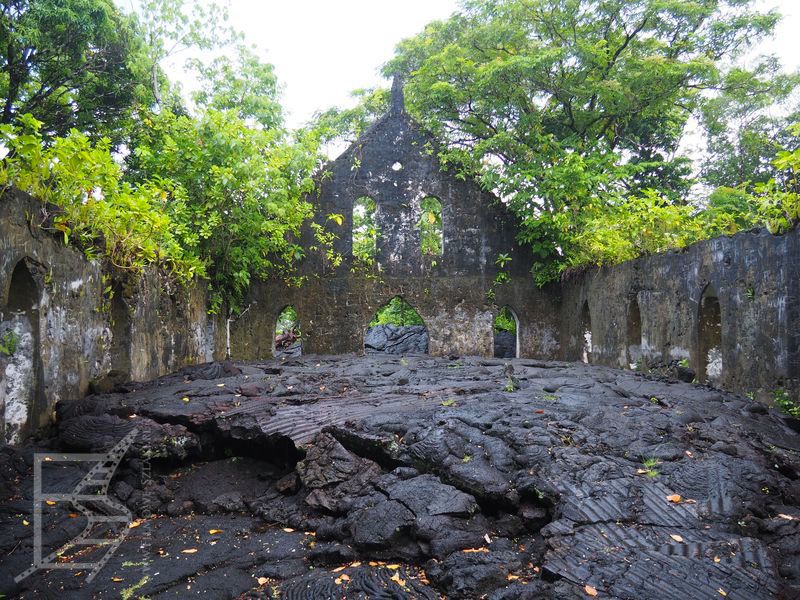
[[445, 486], [505, 344], [394, 339], [754, 276]]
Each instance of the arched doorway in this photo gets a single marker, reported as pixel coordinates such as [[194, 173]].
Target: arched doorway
[[586, 334], [396, 328], [634, 334], [709, 338], [25, 405], [288, 337], [506, 334]]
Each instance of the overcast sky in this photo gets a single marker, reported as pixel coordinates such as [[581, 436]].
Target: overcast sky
[[324, 49]]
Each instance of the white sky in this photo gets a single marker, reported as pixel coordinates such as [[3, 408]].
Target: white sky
[[324, 49]]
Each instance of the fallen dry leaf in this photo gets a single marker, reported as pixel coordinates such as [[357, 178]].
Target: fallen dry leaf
[[717, 559], [787, 517], [134, 524], [676, 537], [642, 471], [355, 564], [117, 579], [215, 531], [393, 566], [220, 385], [189, 551], [590, 590], [512, 577], [397, 580], [288, 529], [50, 502], [73, 515], [262, 580], [674, 498], [470, 550], [722, 592], [185, 399]]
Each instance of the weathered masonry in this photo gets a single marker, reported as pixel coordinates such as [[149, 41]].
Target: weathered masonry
[[726, 308], [393, 173], [65, 333]]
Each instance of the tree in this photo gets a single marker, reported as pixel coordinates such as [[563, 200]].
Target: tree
[[124, 225], [71, 63], [241, 190], [347, 124], [396, 312], [246, 86], [170, 28], [569, 107], [746, 125]]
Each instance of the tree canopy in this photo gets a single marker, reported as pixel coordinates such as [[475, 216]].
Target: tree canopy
[[213, 187], [71, 63], [572, 110]]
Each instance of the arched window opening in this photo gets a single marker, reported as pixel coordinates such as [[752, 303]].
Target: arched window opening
[[365, 232], [709, 338], [288, 337], [23, 293], [431, 230], [506, 334], [634, 334], [396, 328], [586, 334]]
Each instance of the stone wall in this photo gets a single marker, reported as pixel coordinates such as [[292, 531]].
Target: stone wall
[[66, 332], [334, 314], [395, 164], [725, 308], [735, 297]]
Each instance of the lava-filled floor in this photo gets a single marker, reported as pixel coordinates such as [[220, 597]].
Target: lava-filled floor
[[417, 477]]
